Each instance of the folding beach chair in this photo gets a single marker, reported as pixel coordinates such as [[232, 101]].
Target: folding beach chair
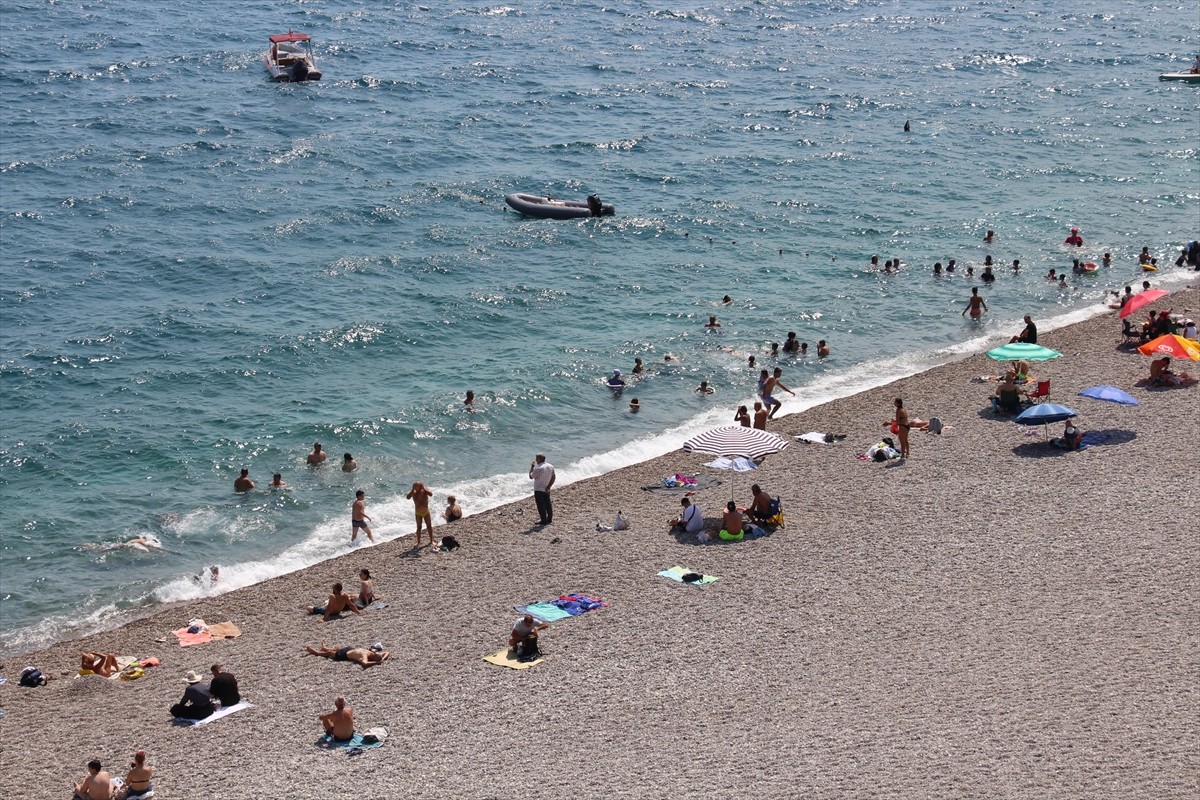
[[776, 511], [1042, 391]]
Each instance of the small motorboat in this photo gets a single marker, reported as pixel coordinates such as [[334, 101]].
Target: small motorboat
[[532, 205], [1189, 77], [290, 58]]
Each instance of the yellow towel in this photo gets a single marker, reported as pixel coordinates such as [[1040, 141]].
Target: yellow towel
[[505, 658]]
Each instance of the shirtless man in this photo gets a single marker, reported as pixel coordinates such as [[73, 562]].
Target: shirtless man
[[469, 401], [760, 506], [348, 463], [420, 497], [791, 344], [338, 602], [822, 349], [358, 516], [242, 482], [277, 481], [339, 723], [760, 416], [100, 663], [96, 785], [769, 388], [317, 456], [975, 305], [712, 322], [363, 656]]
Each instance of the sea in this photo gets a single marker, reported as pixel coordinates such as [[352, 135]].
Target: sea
[[203, 271]]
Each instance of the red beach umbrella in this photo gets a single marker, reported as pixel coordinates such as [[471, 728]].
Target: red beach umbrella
[[1140, 299], [1173, 346]]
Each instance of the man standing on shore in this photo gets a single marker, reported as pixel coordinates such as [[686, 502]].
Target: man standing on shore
[[769, 389], [543, 477], [358, 516]]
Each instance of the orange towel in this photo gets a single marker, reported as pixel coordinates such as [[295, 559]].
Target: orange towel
[[188, 639]]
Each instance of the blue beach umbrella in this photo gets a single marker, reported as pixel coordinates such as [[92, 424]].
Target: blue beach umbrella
[[1110, 393], [1043, 414]]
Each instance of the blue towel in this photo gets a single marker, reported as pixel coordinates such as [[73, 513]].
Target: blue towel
[[355, 742], [1091, 438]]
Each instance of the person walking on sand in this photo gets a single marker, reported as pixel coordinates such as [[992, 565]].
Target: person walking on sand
[[359, 518], [975, 304], [769, 388], [339, 723], [317, 456], [242, 482], [420, 497], [543, 477]]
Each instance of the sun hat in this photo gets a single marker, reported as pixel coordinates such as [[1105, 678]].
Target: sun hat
[[192, 677], [616, 372]]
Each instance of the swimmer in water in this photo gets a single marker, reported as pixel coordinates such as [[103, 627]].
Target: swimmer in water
[[704, 388], [989, 236], [1051, 275], [726, 300], [277, 481], [469, 401], [634, 406], [146, 542], [638, 369], [937, 268], [950, 266], [1074, 240], [712, 322], [1016, 265]]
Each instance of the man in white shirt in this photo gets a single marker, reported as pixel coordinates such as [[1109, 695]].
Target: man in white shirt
[[543, 477], [691, 519]]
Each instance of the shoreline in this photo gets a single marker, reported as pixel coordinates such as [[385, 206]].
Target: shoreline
[[834, 388]]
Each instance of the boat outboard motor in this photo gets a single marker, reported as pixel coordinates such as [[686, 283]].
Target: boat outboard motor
[[594, 205], [300, 71]]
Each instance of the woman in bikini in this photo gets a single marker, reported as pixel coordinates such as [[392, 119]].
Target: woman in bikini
[[975, 304]]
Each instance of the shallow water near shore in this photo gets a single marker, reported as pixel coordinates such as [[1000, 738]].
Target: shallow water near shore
[[204, 271]]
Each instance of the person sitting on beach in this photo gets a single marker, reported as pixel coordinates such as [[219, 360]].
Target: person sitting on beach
[[703, 388], [453, 510], [348, 463], [1028, 334], [317, 456], [691, 519], [363, 656], [742, 417], [197, 701], [1160, 372], [524, 637], [96, 784], [224, 687], [731, 523], [1071, 437], [339, 723], [1164, 324], [366, 588], [242, 482], [1020, 370], [1074, 240], [337, 603], [103, 664], [760, 505], [1007, 397], [137, 780]]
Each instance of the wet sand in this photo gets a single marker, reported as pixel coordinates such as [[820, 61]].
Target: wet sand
[[989, 618]]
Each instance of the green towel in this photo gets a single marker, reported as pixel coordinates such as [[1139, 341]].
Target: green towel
[[677, 572]]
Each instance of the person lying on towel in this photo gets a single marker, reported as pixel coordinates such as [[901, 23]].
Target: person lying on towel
[[524, 637], [363, 656]]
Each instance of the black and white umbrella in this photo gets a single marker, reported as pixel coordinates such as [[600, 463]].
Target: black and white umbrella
[[736, 441]]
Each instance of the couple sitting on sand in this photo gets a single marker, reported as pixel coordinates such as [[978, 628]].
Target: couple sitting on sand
[[98, 784], [339, 601]]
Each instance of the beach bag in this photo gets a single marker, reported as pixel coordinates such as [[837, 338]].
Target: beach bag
[[448, 543], [32, 676], [935, 425], [621, 523], [527, 649]]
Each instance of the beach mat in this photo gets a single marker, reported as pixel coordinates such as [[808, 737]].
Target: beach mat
[[506, 658], [224, 712], [544, 611], [190, 639], [677, 572], [1091, 439], [702, 482], [224, 630], [354, 743]]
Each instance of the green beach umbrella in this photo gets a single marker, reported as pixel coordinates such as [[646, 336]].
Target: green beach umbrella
[[1022, 351]]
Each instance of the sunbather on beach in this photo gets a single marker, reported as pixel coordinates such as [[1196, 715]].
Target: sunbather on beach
[[96, 785], [137, 780], [524, 637], [1071, 437], [760, 506], [339, 723], [100, 663], [731, 520], [363, 656], [338, 602]]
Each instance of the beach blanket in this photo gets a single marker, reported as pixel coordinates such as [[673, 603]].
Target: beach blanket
[[677, 572], [506, 658], [674, 485], [223, 712], [567, 605], [375, 606], [189, 639], [224, 630], [351, 745], [812, 437], [736, 464], [1092, 438], [546, 611]]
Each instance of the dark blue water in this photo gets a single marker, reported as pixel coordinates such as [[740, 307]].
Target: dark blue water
[[201, 270]]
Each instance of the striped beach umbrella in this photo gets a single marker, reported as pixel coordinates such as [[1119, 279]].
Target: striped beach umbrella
[[735, 441]]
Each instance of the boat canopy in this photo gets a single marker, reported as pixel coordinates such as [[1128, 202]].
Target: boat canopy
[[289, 37]]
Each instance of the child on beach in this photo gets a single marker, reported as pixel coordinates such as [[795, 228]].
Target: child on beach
[[420, 497]]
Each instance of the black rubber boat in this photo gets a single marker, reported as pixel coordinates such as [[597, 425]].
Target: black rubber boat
[[532, 205]]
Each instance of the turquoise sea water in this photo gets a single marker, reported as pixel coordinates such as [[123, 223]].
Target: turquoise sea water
[[201, 270]]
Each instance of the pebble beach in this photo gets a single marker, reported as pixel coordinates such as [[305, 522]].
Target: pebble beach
[[991, 617]]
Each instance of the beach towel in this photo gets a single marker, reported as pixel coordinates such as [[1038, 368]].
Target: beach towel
[[507, 658], [351, 745], [224, 630], [677, 572], [1092, 438], [567, 605], [675, 487], [222, 712], [545, 611], [813, 437], [189, 639], [736, 464]]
